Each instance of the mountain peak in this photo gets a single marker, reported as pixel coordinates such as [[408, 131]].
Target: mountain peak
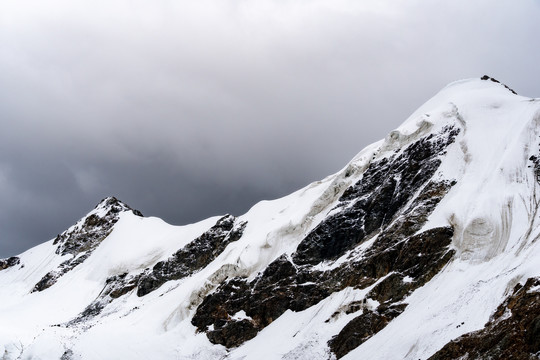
[[81, 239], [112, 204]]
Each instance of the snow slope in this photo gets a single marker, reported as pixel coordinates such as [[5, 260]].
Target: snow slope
[[492, 209]]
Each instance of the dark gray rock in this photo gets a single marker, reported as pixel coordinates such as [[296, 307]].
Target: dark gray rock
[[91, 230], [9, 262], [283, 285], [362, 328], [67, 355], [194, 256], [374, 201], [115, 286], [84, 238], [489, 78]]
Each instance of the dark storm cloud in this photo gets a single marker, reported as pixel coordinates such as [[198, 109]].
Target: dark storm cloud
[[191, 109]]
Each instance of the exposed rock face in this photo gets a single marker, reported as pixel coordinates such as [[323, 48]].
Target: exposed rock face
[[373, 202], [513, 332], [361, 328], [115, 286], [380, 204], [284, 286], [195, 256], [83, 238], [91, 230], [52, 276], [9, 262]]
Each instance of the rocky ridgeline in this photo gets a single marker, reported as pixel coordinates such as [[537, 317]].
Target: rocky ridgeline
[[88, 233], [84, 237], [115, 286], [489, 78], [393, 201], [9, 262], [193, 257]]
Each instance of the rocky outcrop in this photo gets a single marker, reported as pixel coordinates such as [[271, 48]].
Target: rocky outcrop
[[284, 285], [489, 78], [374, 201], [195, 256], [9, 262], [88, 233], [392, 201], [83, 238], [513, 332], [280, 287], [115, 286], [52, 276], [404, 267], [361, 328]]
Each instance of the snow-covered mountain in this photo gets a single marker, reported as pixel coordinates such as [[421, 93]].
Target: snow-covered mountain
[[424, 246]]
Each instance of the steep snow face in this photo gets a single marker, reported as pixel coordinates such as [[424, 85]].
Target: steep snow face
[[414, 243], [500, 136]]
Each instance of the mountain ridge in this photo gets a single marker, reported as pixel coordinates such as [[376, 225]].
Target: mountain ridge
[[424, 237]]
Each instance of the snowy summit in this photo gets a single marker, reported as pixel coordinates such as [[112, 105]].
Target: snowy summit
[[425, 246]]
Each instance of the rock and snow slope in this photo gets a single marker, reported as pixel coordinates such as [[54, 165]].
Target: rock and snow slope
[[424, 246]]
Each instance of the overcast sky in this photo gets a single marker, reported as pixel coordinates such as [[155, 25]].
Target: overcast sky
[[190, 109]]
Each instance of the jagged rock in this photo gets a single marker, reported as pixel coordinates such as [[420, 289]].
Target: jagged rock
[[193, 257], [536, 164], [83, 238], [46, 281], [233, 333], [513, 332], [9, 262], [88, 233], [120, 285], [280, 287], [373, 202], [52, 276], [115, 286], [486, 77], [361, 328], [67, 355], [284, 286]]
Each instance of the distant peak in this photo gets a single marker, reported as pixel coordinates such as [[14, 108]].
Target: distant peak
[[111, 203], [489, 78]]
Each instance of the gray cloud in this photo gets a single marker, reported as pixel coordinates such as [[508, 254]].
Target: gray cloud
[[191, 109]]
